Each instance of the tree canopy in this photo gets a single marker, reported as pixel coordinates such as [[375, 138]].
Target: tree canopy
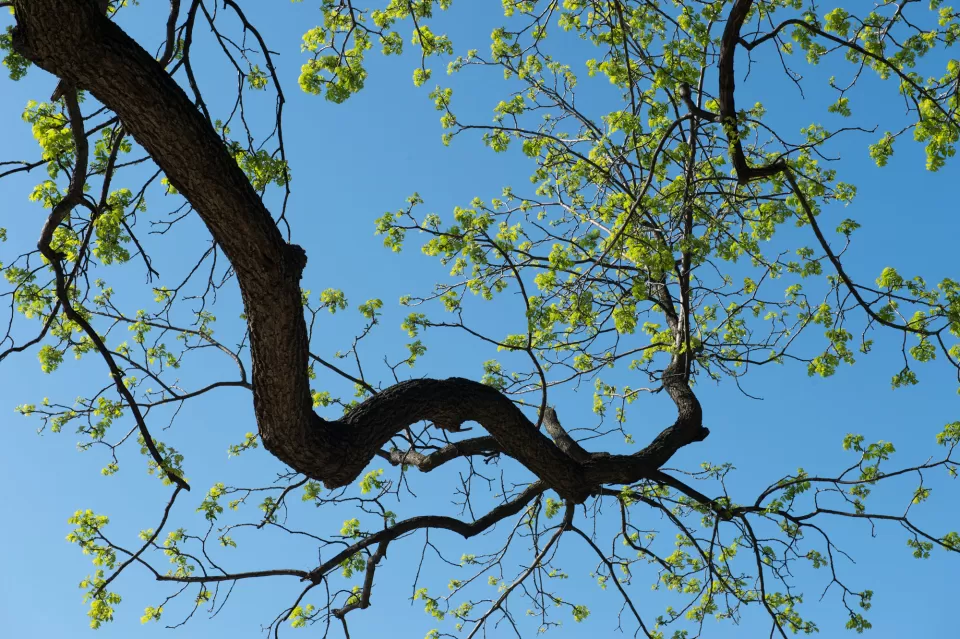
[[671, 234]]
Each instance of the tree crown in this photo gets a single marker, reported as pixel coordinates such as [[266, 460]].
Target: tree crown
[[671, 236]]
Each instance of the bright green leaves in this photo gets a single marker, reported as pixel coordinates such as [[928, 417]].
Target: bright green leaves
[[333, 300], [50, 358], [431, 605], [921, 548], [151, 614], [103, 148], [925, 351], [262, 167], [920, 495], [169, 189], [171, 548], [210, 506], [340, 74], [52, 132], [416, 350], [257, 79], [841, 107], [370, 309], [441, 102], [300, 615], [514, 107], [871, 458], [940, 132], [936, 306], [621, 213], [351, 528], [170, 459], [879, 451], [420, 76], [393, 235], [352, 565], [847, 227], [882, 151], [102, 601], [853, 442], [580, 613], [321, 399], [858, 623], [785, 610], [15, 63], [162, 295], [625, 318], [31, 299], [461, 611], [204, 319], [880, 40], [430, 43], [370, 482], [951, 541], [493, 375], [817, 560], [87, 535], [807, 42], [350, 76], [838, 351], [311, 491], [905, 377], [837, 21], [950, 435], [269, 507], [337, 69], [140, 327], [414, 323], [503, 45], [249, 442], [499, 141], [109, 226], [107, 411]]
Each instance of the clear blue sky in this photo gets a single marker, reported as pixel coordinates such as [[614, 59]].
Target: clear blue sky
[[353, 162]]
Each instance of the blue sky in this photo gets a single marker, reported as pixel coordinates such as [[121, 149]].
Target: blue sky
[[353, 162]]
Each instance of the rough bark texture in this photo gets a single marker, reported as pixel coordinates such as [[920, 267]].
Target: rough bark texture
[[73, 40], [551, 422]]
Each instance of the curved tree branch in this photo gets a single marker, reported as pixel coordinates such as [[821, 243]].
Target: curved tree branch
[[76, 42], [725, 97]]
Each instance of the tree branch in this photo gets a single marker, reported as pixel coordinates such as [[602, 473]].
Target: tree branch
[[75, 41]]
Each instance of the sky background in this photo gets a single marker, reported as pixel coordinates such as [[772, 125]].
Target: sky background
[[350, 164]]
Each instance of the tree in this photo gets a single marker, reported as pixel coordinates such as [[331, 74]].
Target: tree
[[670, 238]]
